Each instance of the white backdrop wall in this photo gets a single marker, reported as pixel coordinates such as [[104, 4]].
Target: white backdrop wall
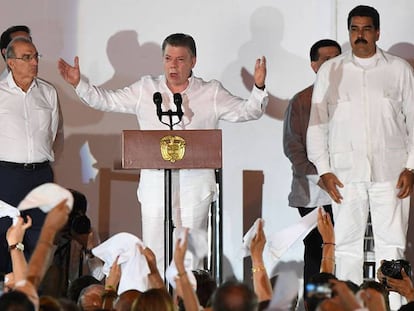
[[119, 41]]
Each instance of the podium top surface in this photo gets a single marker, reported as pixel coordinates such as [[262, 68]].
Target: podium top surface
[[166, 149]]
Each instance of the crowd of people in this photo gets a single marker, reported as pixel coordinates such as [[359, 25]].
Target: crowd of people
[[341, 171]]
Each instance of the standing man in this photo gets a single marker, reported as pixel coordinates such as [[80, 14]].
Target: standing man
[[307, 190], [8, 35], [204, 104], [29, 122], [360, 138]]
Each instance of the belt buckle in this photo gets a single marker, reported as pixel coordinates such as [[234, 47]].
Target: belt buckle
[[29, 166]]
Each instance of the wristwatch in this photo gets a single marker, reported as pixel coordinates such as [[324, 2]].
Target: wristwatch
[[18, 246]]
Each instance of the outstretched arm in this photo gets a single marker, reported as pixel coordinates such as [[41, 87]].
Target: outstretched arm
[[261, 282], [71, 74], [326, 230], [154, 277]]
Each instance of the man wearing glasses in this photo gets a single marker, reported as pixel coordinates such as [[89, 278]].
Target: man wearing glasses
[[29, 123], [8, 35]]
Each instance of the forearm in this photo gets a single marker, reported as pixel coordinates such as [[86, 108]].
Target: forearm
[[189, 297], [328, 258], [155, 280], [41, 256], [261, 281], [19, 265]]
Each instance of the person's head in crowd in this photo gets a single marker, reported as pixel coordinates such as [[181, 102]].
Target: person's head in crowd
[[323, 50], [15, 300], [10, 33], [314, 298], [126, 299], [77, 285], [379, 287], [364, 30], [22, 59], [179, 58], [90, 298], [154, 299], [234, 296], [49, 303]]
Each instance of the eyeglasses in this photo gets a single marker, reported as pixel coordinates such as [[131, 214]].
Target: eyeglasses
[[27, 57]]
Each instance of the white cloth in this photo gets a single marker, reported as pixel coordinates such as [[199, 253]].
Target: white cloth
[[362, 119], [172, 273], [248, 237], [279, 242], [6, 210], [46, 197], [29, 121], [197, 241], [134, 266], [204, 105]]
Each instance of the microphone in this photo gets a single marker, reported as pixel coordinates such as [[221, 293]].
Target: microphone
[[157, 98], [178, 100]]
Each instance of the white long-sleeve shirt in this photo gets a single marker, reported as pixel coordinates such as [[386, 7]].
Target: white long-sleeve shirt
[[361, 124], [29, 121], [204, 104]]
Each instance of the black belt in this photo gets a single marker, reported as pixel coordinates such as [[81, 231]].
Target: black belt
[[25, 166]]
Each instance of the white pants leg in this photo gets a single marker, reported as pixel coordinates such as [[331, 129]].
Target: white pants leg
[[350, 222], [191, 199], [389, 217]]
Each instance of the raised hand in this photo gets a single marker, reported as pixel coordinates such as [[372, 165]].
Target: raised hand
[[260, 72], [70, 74]]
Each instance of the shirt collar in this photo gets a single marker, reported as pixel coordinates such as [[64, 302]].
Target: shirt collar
[[379, 56]]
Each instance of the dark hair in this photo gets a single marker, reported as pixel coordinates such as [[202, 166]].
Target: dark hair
[[6, 35], [15, 300], [234, 296], [180, 39], [314, 51], [366, 11]]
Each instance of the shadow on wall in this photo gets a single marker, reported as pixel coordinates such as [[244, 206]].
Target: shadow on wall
[[283, 67]]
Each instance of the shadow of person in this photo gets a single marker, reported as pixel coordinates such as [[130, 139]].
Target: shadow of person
[[404, 50], [283, 67]]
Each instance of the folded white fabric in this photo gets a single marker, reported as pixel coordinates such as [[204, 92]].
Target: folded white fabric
[[7, 210], [279, 242], [248, 237], [134, 266], [46, 197]]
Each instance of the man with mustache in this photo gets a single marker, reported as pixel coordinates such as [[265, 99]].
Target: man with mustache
[[360, 138]]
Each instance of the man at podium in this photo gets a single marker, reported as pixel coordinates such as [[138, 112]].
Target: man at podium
[[202, 104]]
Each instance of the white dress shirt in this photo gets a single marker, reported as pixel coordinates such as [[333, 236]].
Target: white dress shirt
[[361, 122], [29, 121]]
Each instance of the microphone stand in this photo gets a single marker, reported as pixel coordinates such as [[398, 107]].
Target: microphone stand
[[168, 219]]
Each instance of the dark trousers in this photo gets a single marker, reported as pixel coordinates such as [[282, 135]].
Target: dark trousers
[[15, 184], [313, 250]]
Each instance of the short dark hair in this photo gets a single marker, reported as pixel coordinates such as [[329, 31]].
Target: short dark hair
[[314, 51], [366, 11], [6, 35], [224, 297], [180, 39], [15, 300]]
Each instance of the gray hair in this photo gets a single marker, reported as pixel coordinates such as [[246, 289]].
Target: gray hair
[[10, 47]]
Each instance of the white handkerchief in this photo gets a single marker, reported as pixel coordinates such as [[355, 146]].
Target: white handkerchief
[[46, 197], [134, 266], [248, 237], [7, 210], [197, 241], [279, 242]]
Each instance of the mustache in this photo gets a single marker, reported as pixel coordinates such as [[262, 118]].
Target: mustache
[[361, 40]]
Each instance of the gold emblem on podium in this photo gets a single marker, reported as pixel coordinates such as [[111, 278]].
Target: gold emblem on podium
[[172, 148]]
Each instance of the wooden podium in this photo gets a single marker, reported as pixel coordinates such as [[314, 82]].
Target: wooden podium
[[162, 149]]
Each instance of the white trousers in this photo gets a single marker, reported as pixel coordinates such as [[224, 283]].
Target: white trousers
[[389, 216], [193, 191]]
